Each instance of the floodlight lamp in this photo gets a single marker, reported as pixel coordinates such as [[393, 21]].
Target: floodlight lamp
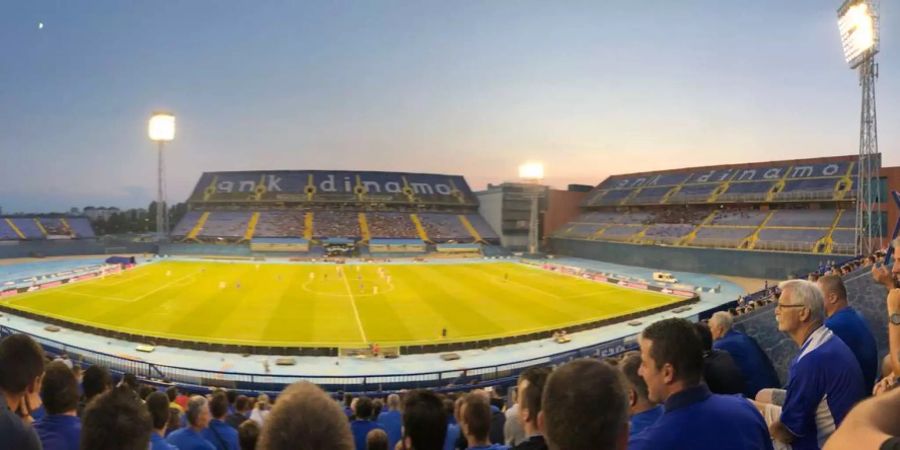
[[531, 171], [858, 26], [161, 127]]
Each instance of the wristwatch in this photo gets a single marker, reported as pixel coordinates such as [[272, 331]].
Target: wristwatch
[[895, 318]]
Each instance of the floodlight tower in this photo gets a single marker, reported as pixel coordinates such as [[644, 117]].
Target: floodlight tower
[[533, 173], [858, 24], [161, 129]]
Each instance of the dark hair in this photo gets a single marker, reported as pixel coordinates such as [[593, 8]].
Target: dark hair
[[158, 407], [377, 406], [424, 420], [174, 421], [218, 406], [231, 395], [833, 284], [348, 399], [59, 390], [377, 439], [144, 391], [705, 336], [21, 362], [305, 418], [130, 380], [363, 408], [676, 342], [530, 396], [116, 420], [585, 406], [248, 434], [629, 368], [240, 403], [476, 413], [96, 380], [172, 393]]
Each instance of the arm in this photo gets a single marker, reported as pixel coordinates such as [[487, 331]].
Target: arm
[[893, 307], [869, 424], [780, 433]]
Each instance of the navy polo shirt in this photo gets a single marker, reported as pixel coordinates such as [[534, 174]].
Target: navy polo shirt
[[221, 435], [824, 382], [850, 326], [751, 359], [158, 442], [188, 439], [59, 432], [360, 429], [697, 419], [392, 422], [644, 419]]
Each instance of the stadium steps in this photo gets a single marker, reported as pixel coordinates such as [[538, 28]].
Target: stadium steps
[[15, 228], [640, 234], [778, 186], [198, 227], [251, 227], [842, 187], [420, 230], [634, 193], [308, 225], [40, 227], [596, 234], [364, 227], [65, 224], [693, 234], [673, 191], [750, 241], [827, 242], [470, 228], [720, 189]]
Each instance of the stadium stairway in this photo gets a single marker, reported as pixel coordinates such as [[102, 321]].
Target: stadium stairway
[[40, 227], [15, 228], [470, 228], [364, 227], [750, 242], [308, 225], [639, 237], [251, 227], [66, 227], [198, 227], [599, 231], [670, 193], [826, 243], [420, 230], [693, 234]]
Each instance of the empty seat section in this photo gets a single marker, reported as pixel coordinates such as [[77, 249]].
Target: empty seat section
[[650, 195], [580, 230], [81, 227], [6, 232], [391, 225], [801, 218], [280, 224], [808, 189], [788, 239], [848, 219], [28, 228], [668, 232], [620, 232], [693, 193], [53, 226], [721, 237], [186, 224], [613, 197], [739, 218], [444, 227], [226, 224], [482, 227], [844, 241], [751, 190], [336, 224]]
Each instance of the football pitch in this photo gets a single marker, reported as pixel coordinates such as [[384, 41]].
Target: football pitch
[[318, 305]]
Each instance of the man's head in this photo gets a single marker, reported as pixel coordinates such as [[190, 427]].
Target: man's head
[[218, 406], [895, 269], [130, 380], [393, 402], [531, 388], [59, 390], [197, 412], [834, 293], [241, 403], [116, 420], [158, 407], [363, 408], [800, 306], [171, 393], [305, 418], [96, 381], [21, 365], [636, 386], [671, 358], [424, 420], [720, 324], [584, 407], [475, 417], [232, 396], [248, 435], [705, 336]]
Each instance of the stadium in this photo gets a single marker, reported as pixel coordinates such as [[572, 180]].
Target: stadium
[[729, 300]]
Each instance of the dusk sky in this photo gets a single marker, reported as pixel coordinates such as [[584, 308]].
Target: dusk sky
[[590, 88]]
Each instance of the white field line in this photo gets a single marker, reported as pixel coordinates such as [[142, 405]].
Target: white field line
[[139, 298], [355, 311]]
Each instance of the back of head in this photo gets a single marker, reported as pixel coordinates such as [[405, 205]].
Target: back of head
[[59, 390], [585, 407], [218, 406], [833, 284], [248, 435], [705, 335], [96, 380], [172, 393], [305, 418], [130, 380], [629, 368], [722, 319], [195, 407], [377, 439], [676, 342], [393, 402], [158, 407], [475, 414], [241, 403], [116, 420], [532, 382], [21, 362], [363, 409], [232, 396], [424, 420]]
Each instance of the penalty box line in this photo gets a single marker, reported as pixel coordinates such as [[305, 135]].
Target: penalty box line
[[359, 325]]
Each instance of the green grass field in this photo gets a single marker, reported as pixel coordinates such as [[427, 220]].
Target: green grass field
[[284, 305]]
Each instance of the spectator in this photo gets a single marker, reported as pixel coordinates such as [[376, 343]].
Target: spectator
[[849, 325], [60, 429], [530, 388], [719, 369], [172, 394], [144, 391], [693, 417], [755, 366], [305, 418], [475, 422], [498, 419], [260, 410], [824, 379], [241, 407], [158, 407], [95, 382], [116, 420], [377, 406], [377, 439], [363, 424], [453, 433], [513, 431], [191, 436], [219, 433], [130, 380], [891, 281], [174, 421], [21, 372], [583, 407], [391, 420], [248, 435], [424, 421], [348, 405], [642, 411], [871, 425], [232, 397]]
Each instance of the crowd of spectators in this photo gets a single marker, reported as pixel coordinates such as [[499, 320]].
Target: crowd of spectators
[[391, 225]]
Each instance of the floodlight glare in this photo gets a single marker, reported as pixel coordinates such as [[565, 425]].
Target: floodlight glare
[[858, 25], [161, 127], [531, 171]]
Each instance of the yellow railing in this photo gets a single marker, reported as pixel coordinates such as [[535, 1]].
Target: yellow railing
[[364, 227], [308, 225]]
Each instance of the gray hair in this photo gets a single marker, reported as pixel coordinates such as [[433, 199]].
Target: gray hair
[[722, 319], [195, 406], [393, 401], [809, 295]]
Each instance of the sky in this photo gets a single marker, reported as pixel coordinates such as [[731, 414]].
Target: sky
[[590, 88]]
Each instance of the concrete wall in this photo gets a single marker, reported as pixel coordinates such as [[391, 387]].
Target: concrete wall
[[25, 249], [562, 208]]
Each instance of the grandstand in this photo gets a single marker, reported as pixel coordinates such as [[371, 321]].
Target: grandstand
[[45, 228]]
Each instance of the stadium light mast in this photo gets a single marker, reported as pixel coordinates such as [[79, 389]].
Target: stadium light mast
[[858, 25], [533, 173], [161, 129]]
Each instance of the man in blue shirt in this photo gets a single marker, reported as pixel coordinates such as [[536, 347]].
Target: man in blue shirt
[[693, 417], [475, 421], [424, 421], [60, 429], [453, 431], [745, 351], [391, 420], [219, 433], [21, 370], [191, 436], [530, 389], [824, 379], [116, 420], [643, 412], [848, 324], [362, 425], [158, 407]]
